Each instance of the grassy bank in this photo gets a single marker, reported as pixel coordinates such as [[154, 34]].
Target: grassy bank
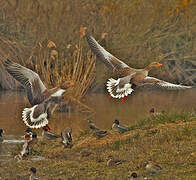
[[168, 140]]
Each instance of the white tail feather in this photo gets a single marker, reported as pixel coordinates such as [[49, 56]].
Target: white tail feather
[[27, 117], [117, 92]]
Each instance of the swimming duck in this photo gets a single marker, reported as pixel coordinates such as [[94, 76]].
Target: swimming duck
[[46, 133], [33, 172], [1, 137], [118, 127], [153, 168], [44, 101], [129, 77], [66, 136], [92, 125]]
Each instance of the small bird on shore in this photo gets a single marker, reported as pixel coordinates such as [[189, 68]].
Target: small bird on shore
[[44, 101], [33, 172], [30, 140], [28, 133], [154, 113], [46, 133], [33, 141], [153, 167], [92, 125], [112, 162], [134, 176], [1, 136], [24, 152], [118, 127], [100, 133], [66, 136], [31, 137]]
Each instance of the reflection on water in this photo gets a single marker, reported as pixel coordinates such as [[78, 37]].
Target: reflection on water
[[137, 105], [107, 109]]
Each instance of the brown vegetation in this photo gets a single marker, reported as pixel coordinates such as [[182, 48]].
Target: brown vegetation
[[168, 140], [138, 31]]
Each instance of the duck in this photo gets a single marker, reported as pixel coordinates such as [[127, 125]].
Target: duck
[[92, 125], [1, 136], [152, 111], [118, 127], [153, 167], [66, 136], [134, 176], [24, 152], [129, 78], [28, 134], [46, 133], [100, 133], [43, 101], [33, 172], [30, 140], [112, 162]]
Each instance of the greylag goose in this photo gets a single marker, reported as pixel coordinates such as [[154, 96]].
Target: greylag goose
[[129, 77], [44, 101]]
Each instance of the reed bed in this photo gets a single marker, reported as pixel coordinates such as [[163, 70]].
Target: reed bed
[[138, 32]]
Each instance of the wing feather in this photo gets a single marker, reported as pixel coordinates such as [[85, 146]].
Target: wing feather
[[29, 79], [163, 84], [108, 59]]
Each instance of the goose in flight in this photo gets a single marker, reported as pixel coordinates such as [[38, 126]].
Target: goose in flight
[[128, 77], [44, 101]]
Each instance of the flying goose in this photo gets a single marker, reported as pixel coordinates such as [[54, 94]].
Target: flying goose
[[44, 101], [129, 77]]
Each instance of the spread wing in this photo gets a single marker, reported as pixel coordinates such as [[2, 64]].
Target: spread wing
[[108, 59], [151, 81], [29, 79]]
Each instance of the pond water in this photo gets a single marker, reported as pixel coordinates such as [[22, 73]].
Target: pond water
[[107, 109]]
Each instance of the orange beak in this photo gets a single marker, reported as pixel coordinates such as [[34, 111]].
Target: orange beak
[[71, 84], [159, 65]]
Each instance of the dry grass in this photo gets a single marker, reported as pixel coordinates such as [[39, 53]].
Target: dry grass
[[171, 145], [138, 31]]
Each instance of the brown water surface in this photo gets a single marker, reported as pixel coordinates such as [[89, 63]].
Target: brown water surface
[[135, 107]]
